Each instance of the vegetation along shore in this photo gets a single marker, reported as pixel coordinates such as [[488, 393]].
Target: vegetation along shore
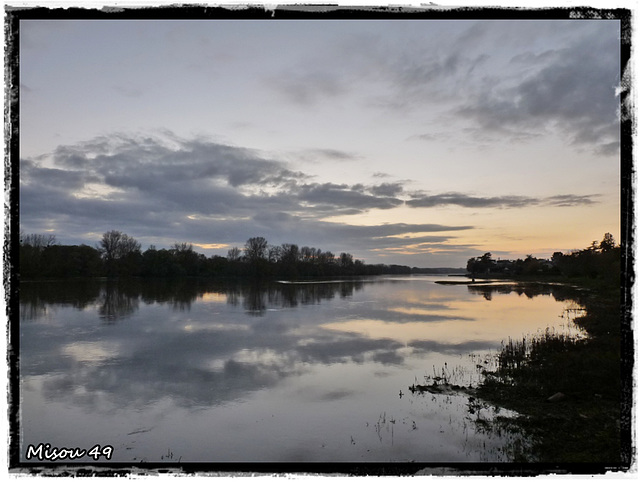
[[572, 395], [120, 255]]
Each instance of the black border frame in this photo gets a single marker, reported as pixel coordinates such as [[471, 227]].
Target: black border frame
[[13, 15]]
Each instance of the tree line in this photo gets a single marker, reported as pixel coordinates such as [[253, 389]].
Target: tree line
[[120, 255], [598, 261]]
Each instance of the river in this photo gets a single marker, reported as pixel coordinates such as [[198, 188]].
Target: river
[[194, 371]]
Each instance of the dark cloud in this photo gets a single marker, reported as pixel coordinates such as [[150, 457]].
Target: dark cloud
[[341, 195], [552, 77], [331, 154], [564, 200], [388, 189], [570, 90], [166, 189], [464, 200]]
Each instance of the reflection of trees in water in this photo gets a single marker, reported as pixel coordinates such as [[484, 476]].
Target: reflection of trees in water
[[35, 298], [32, 310], [257, 298], [530, 290], [116, 303], [120, 298]]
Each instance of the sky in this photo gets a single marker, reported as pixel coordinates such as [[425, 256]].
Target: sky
[[414, 142]]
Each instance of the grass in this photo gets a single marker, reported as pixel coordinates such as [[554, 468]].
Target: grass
[[584, 425]]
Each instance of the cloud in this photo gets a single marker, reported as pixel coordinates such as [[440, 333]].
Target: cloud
[[345, 197], [570, 90], [465, 200], [331, 154], [388, 189], [555, 78], [564, 200], [163, 189]]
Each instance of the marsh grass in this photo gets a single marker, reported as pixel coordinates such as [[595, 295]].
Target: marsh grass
[[582, 422]]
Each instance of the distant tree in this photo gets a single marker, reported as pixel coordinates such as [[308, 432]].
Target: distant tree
[[274, 254], [234, 254], [32, 247], [288, 262], [255, 249], [308, 254], [71, 261], [160, 263], [346, 260], [472, 266], [556, 258], [607, 243], [121, 253], [187, 259], [326, 257], [37, 241], [531, 265], [289, 253], [359, 267]]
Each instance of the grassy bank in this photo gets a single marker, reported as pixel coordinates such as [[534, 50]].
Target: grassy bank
[[568, 391]]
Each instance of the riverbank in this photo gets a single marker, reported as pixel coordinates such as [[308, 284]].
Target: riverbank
[[572, 395]]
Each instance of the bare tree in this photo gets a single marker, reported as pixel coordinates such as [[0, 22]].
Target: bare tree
[[233, 254], [116, 246], [289, 253], [255, 249], [38, 241], [274, 254]]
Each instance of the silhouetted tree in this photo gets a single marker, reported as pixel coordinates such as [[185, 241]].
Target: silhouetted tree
[[121, 253], [608, 243], [159, 264], [289, 256], [346, 260], [481, 265], [187, 259], [273, 254], [32, 247], [37, 241], [255, 251], [234, 254]]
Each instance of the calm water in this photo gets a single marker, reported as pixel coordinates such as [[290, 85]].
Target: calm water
[[286, 372]]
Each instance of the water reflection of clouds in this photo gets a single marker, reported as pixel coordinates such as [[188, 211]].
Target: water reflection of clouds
[[415, 313], [91, 353], [403, 332], [210, 358], [193, 326]]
